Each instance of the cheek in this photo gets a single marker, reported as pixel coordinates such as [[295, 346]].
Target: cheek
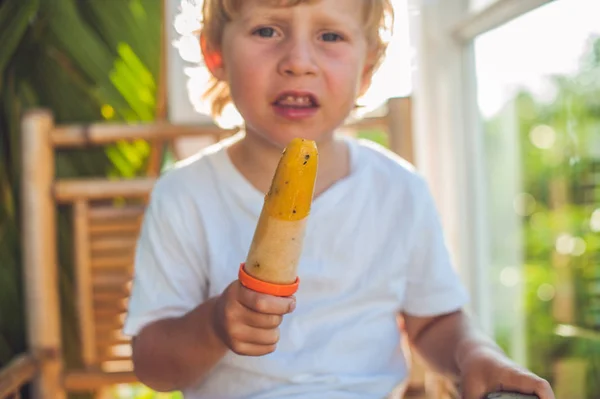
[[246, 78], [344, 83], [343, 72]]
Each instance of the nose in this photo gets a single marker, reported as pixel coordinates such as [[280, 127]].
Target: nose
[[298, 58]]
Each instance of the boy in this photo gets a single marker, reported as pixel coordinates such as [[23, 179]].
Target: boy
[[373, 248]]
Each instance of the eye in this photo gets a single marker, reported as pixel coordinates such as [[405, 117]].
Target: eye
[[331, 37], [264, 32]]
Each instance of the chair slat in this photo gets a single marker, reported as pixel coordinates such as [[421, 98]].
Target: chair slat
[[102, 213], [112, 261], [84, 282], [108, 243]]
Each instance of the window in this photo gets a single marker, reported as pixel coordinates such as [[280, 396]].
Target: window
[[538, 80], [507, 116], [475, 5]]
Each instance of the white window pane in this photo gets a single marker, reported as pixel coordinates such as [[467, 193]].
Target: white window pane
[[479, 4], [539, 96]]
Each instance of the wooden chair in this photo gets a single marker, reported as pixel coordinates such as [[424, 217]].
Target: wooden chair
[[104, 240]]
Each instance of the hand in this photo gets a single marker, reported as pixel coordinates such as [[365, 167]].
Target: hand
[[484, 370], [248, 321]]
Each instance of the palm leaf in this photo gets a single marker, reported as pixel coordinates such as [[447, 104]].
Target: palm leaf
[[14, 18], [78, 59]]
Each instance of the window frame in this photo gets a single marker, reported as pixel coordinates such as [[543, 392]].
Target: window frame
[[448, 131]]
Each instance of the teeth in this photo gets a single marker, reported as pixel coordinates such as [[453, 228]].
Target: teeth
[[293, 100]]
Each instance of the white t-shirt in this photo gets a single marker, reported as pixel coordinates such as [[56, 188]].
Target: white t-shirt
[[373, 247]]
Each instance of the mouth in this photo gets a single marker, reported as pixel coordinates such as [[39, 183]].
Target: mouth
[[297, 100]]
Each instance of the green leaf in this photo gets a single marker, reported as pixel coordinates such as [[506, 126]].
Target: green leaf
[[54, 55], [14, 19]]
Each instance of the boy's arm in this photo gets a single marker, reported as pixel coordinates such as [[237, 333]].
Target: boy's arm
[[174, 353], [453, 346], [444, 340]]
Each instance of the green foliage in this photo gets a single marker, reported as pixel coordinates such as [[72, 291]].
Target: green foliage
[[139, 391], [563, 181], [378, 136], [87, 62]]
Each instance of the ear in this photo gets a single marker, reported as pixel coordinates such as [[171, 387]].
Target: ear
[[212, 58], [365, 79]]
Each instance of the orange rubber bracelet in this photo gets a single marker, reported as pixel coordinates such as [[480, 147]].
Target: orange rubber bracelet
[[267, 288]]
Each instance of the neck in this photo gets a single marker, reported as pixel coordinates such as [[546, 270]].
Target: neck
[[257, 160]]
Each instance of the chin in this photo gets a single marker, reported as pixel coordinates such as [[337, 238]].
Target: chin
[[318, 138], [282, 137]]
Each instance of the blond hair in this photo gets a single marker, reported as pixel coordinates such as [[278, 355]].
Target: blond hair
[[377, 17]]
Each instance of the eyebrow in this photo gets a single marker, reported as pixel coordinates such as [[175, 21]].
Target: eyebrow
[[268, 16], [274, 15]]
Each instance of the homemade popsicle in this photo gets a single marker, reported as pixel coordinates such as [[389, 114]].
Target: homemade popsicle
[[272, 260]]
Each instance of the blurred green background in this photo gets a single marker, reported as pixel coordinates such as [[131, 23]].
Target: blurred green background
[[87, 61]]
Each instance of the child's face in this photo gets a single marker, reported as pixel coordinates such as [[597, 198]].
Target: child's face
[[295, 71]]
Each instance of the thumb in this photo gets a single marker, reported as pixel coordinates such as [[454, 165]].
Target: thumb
[[474, 390]]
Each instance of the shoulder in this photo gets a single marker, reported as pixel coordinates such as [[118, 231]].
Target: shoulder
[[382, 156], [389, 170], [189, 179]]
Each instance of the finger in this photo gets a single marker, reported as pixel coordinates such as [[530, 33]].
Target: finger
[[263, 303], [261, 320], [246, 349], [544, 390], [527, 383], [252, 335], [474, 392]]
